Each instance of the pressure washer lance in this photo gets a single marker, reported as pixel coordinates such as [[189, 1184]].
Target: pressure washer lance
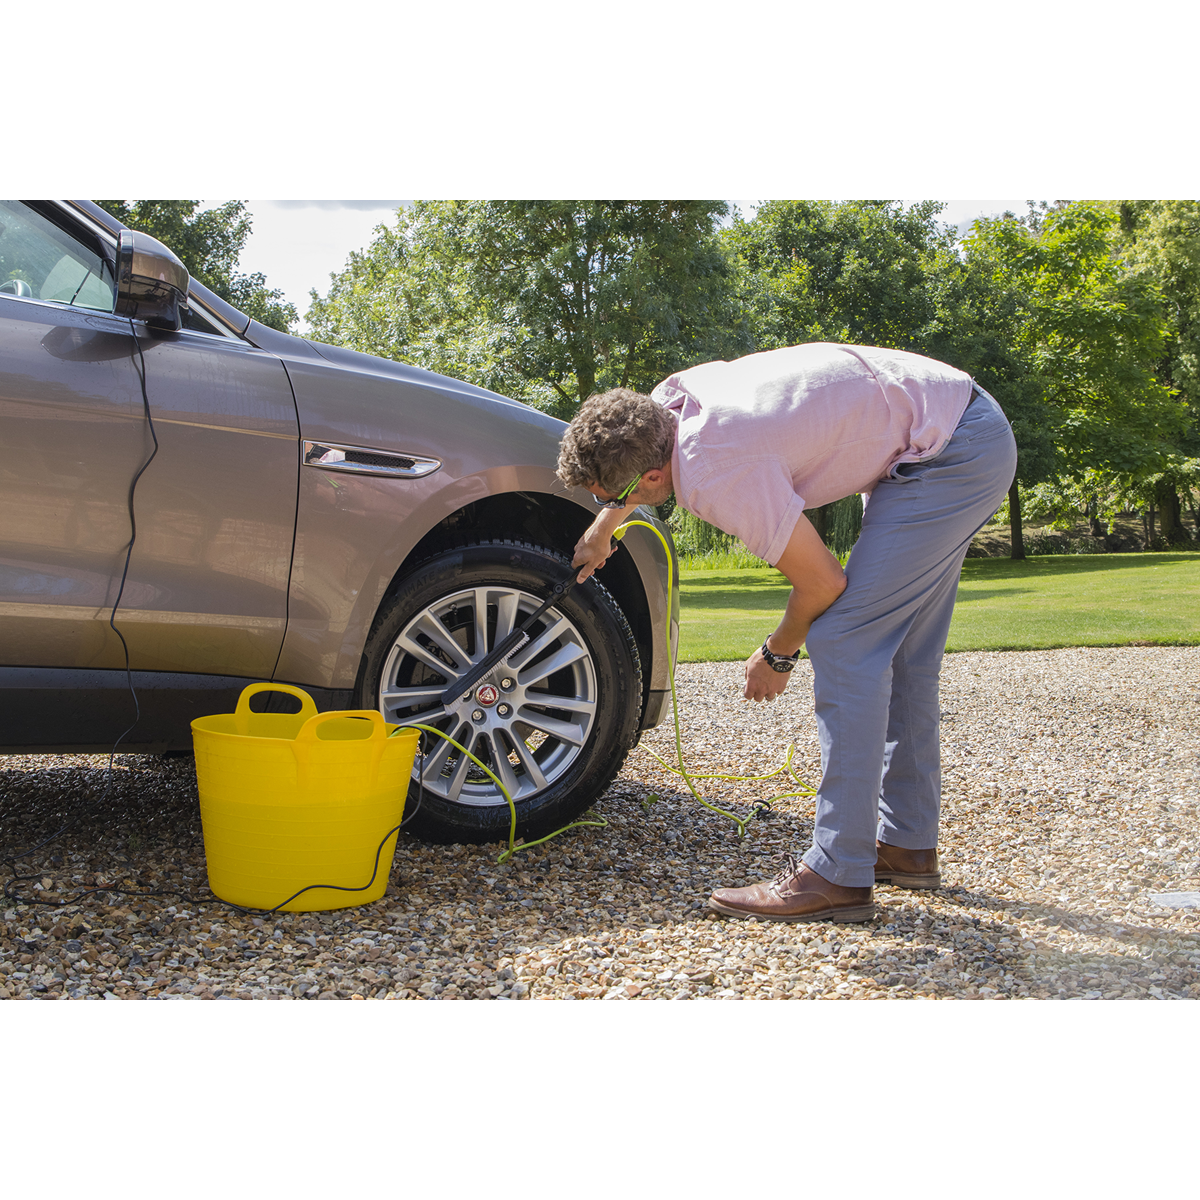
[[515, 640]]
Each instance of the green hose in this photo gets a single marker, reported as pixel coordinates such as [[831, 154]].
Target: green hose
[[680, 769]]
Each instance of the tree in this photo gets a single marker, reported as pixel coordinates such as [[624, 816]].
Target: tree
[[546, 301], [1164, 240], [209, 244], [858, 272], [1087, 329], [981, 311], [863, 272]]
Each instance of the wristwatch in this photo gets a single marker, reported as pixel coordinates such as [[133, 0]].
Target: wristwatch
[[782, 663]]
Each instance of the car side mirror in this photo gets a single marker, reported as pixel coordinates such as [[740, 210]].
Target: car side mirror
[[152, 284]]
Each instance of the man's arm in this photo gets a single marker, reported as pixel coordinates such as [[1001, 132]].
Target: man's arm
[[817, 580]]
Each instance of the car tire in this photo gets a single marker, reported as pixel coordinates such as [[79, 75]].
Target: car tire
[[557, 739]]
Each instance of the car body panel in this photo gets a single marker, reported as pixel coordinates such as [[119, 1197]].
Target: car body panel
[[63, 494], [207, 582], [405, 410], [247, 564], [216, 510]]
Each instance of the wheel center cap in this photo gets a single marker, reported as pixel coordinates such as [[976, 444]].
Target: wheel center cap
[[487, 695]]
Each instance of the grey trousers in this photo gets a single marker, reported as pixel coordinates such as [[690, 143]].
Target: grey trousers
[[877, 652]]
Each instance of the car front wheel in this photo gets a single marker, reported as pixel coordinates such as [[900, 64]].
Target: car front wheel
[[554, 722]]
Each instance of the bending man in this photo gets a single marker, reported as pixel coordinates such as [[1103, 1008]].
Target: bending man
[[747, 446]]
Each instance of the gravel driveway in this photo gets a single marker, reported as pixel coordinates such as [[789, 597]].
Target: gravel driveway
[[1070, 801]]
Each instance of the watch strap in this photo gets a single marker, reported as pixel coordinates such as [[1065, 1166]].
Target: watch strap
[[779, 662]]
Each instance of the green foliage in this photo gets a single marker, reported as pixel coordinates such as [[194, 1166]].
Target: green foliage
[[545, 301], [209, 244], [981, 317], [703, 546], [1089, 329], [1164, 242], [1083, 319], [839, 524], [859, 272]]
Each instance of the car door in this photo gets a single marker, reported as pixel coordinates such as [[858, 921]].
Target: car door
[[215, 509]]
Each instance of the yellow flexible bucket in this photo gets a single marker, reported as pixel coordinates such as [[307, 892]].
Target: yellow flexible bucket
[[292, 800]]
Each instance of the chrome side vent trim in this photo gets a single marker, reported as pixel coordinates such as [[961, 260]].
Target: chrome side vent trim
[[367, 460]]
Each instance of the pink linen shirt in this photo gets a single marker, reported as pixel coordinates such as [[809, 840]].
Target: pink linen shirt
[[763, 437]]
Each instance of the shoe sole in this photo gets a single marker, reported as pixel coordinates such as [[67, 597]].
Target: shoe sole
[[916, 882], [861, 912]]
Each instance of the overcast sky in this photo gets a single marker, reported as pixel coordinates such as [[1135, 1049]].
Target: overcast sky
[[297, 244]]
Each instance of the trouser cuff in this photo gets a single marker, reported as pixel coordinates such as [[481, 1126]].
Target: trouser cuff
[[855, 876], [903, 840]]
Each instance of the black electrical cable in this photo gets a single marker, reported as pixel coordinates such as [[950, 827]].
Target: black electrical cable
[[119, 891], [112, 617], [11, 859], [199, 900]]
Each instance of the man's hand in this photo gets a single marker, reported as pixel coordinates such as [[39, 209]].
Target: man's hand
[[596, 546], [763, 682]]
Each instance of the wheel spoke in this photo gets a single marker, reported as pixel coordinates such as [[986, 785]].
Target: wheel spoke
[[579, 704], [427, 716], [539, 643], [412, 646], [481, 607], [562, 658], [532, 770], [438, 633], [501, 764], [566, 731], [506, 615], [404, 697], [458, 776], [435, 760]]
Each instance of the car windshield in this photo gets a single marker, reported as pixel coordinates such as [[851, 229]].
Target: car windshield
[[39, 261]]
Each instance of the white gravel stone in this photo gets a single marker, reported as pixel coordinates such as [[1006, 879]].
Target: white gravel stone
[[1070, 810]]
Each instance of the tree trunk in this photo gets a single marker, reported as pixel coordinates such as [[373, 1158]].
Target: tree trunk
[[1014, 516], [819, 518], [1170, 516]]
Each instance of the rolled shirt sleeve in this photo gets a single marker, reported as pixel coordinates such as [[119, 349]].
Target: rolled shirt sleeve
[[754, 500]]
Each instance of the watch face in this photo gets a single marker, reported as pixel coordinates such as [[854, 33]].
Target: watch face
[[783, 667]]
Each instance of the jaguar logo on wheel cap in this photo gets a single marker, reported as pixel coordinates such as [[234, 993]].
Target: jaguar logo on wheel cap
[[487, 694]]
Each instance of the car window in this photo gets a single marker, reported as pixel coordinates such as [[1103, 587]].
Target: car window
[[39, 261]]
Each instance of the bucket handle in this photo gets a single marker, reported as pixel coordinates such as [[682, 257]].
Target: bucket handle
[[306, 739], [308, 731], [307, 707]]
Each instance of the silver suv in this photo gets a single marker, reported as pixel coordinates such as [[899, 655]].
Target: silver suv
[[302, 513]]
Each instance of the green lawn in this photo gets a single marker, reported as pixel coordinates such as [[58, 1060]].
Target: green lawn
[[1053, 600]]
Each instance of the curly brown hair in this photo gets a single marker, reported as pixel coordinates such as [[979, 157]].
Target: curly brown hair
[[614, 437]]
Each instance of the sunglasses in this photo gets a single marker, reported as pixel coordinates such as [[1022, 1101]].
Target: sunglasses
[[619, 502]]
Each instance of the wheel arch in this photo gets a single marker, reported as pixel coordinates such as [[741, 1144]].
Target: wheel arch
[[556, 523]]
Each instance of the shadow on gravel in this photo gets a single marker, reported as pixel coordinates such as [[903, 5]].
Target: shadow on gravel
[[99, 824]]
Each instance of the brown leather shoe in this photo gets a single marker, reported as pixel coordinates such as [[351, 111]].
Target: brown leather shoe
[[907, 868], [797, 893]]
